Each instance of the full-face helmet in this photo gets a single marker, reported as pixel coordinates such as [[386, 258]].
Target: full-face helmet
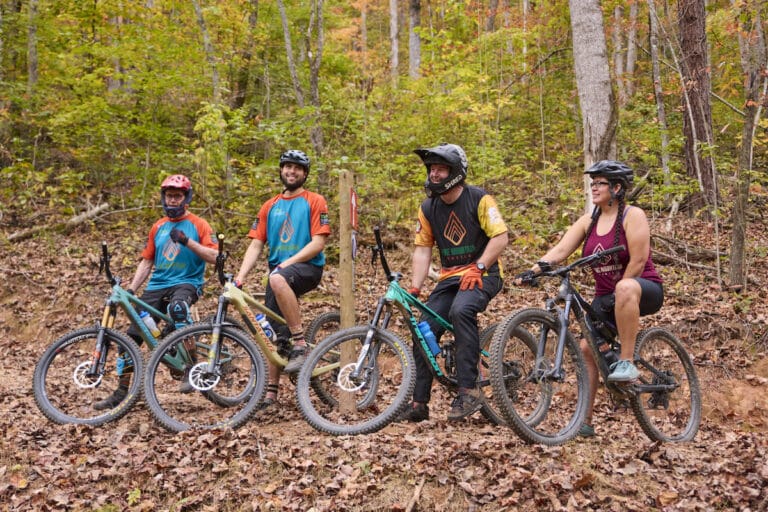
[[180, 182], [447, 154]]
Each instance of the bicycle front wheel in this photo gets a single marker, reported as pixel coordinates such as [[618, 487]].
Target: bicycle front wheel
[[359, 404], [489, 409], [193, 397], [667, 399], [66, 388], [542, 405]]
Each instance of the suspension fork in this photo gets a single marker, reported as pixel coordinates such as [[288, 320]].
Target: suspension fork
[[366, 349], [214, 352], [563, 315], [101, 350]]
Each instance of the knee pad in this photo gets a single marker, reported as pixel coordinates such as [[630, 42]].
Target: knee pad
[[178, 310]]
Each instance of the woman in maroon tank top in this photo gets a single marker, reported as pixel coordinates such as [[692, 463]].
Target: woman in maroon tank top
[[627, 286]]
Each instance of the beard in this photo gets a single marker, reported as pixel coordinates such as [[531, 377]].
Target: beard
[[290, 187]]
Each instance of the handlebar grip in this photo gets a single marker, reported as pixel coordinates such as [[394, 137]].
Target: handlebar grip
[[612, 250]]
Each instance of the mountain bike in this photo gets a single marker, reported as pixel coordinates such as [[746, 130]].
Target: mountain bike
[[540, 382], [81, 367], [239, 382], [378, 371]]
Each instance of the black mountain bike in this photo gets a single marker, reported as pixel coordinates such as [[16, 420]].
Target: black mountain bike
[[540, 382], [375, 370]]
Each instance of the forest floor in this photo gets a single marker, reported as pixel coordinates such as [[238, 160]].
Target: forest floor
[[50, 285]]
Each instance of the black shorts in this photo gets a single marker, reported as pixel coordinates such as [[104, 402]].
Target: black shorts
[[651, 300]]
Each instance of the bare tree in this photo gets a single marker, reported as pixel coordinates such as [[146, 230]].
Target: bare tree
[[629, 69], [490, 21], [32, 47], [697, 118], [244, 77], [618, 53], [314, 42], [394, 59], [210, 54], [414, 40], [593, 81], [754, 63], [661, 113]]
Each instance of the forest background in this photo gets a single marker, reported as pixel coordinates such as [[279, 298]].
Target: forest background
[[101, 100]]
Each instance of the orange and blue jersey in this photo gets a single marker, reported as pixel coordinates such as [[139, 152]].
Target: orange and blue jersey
[[288, 224], [174, 264]]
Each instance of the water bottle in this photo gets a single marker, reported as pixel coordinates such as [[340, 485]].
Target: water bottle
[[268, 330], [609, 355], [430, 337], [150, 323]]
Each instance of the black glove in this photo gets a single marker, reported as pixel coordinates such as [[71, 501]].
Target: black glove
[[128, 290], [178, 236], [526, 278]]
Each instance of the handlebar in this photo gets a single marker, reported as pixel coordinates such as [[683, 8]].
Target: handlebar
[[220, 259], [581, 262], [380, 250], [104, 264]]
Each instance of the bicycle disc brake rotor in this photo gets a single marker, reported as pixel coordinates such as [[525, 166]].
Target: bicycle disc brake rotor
[[201, 379], [345, 382], [83, 378]]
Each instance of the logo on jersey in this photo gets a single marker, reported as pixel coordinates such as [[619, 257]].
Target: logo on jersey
[[324, 220], [255, 224], [608, 264], [287, 230], [454, 230], [170, 250]]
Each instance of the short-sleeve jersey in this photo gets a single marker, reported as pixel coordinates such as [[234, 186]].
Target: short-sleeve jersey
[[288, 224], [460, 230], [609, 271], [175, 264]]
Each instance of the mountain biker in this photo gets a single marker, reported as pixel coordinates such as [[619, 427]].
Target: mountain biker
[[465, 224], [178, 247], [295, 225], [627, 285]]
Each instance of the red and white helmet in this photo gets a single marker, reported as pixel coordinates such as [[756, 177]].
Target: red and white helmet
[[180, 182]]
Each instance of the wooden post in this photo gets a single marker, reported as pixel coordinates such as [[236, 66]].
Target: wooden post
[[346, 277]]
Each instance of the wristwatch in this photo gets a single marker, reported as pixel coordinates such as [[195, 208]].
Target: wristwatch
[[480, 266]]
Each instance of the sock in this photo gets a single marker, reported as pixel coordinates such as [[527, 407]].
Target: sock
[[297, 338], [272, 391]]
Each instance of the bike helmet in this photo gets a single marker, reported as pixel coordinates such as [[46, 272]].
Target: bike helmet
[[447, 154], [180, 182], [615, 172], [295, 156]]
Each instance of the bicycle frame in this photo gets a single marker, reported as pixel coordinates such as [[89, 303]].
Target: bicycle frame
[[397, 297], [129, 303], [245, 304]]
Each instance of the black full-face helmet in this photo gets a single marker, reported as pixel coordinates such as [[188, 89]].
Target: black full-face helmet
[[614, 172], [181, 182], [447, 154]]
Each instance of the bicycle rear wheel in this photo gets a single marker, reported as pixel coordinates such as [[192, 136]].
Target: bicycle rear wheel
[[224, 398], [539, 406], [358, 406], [669, 408], [64, 389]]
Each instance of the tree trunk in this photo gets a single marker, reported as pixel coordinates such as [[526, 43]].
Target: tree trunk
[[297, 89], [316, 135], [618, 54], [244, 74], [210, 55], [697, 118], [593, 81], [414, 40], [629, 69], [490, 22], [32, 48], [754, 62], [394, 48]]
